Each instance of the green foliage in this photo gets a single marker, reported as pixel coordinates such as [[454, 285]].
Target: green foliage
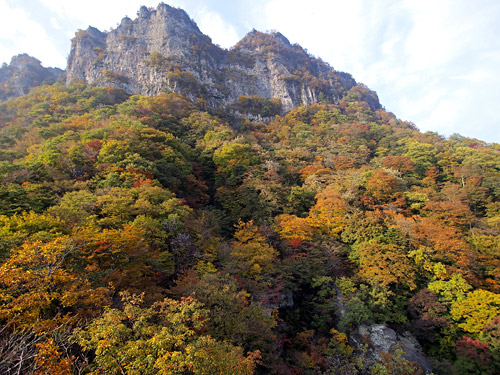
[[17, 229], [423, 155], [395, 364], [233, 315], [233, 160], [301, 199], [157, 60], [113, 77], [452, 290], [183, 81], [356, 312]]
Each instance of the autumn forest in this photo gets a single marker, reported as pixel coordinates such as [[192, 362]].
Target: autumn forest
[[151, 235]]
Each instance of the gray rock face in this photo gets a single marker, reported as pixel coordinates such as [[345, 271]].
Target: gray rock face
[[22, 74], [163, 50], [382, 339]]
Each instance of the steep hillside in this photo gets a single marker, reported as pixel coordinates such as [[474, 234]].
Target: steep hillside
[[291, 243]]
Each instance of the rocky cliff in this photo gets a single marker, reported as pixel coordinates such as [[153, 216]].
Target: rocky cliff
[[22, 74], [162, 50]]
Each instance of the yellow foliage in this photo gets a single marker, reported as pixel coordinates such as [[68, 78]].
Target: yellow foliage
[[476, 311], [252, 255]]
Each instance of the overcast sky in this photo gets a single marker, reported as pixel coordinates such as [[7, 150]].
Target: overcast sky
[[435, 63]]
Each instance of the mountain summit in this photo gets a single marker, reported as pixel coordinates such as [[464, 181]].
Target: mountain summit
[[163, 50], [23, 73]]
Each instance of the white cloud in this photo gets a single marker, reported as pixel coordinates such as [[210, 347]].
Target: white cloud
[[329, 28], [450, 49], [20, 34], [477, 76], [55, 24], [432, 41]]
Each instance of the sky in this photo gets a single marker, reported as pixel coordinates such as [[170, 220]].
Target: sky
[[435, 63]]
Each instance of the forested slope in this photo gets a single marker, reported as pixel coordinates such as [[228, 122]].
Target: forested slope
[[148, 235]]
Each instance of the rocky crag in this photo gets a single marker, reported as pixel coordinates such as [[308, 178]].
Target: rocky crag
[[373, 340], [163, 50], [22, 74]]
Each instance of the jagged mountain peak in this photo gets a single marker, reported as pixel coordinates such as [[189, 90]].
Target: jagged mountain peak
[[257, 39], [22, 60], [156, 27], [22, 74], [172, 20], [163, 50], [165, 11]]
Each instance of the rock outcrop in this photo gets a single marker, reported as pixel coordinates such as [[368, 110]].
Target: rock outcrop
[[22, 74], [162, 50], [379, 338]]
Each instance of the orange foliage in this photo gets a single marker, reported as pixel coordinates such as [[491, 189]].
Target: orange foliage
[[386, 264], [401, 164], [443, 243], [50, 361], [314, 169], [343, 163], [328, 214], [455, 214], [382, 186], [121, 257], [291, 227], [38, 289]]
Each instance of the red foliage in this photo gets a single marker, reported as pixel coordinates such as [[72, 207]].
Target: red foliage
[[429, 314], [296, 243], [474, 350]]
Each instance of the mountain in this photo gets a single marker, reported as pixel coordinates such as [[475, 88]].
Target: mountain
[[163, 50], [222, 232], [22, 74]]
